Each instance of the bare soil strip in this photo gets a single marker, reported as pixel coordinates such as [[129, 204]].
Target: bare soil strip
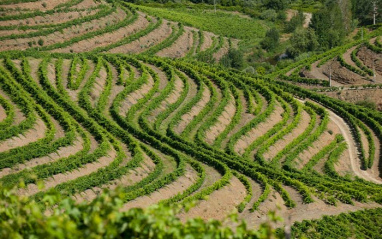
[[191, 94], [222, 122], [302, 211], [134, 176], [244, 119], [180, 47], [66, 34], [219, 204], [133, 98], [195, 110], [98, 86], [56, 18], [147, 41], [107, 38], [35, 5], [3, 115], [259, 130], [19, 116], [282, 143], [207, 43], [325, 139], [172, 189], [60, 153], [65, 177], [222, 51], [31, 135], [172, 98]]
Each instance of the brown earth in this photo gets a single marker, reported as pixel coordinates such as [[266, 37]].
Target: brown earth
[[367, 57], [180, 47], [353, 96], [195, 110], [66, 34], [282, 143], [107, 38], [3, 114], [219, 204], [68, 176], [60, 153], [222, 122], [170, 190], [259, 130], [32, 135], [153, 38], [56, 18]]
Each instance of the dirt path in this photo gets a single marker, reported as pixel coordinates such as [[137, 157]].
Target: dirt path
[[347, 57], [355, 163], [301, 212], [98, 86], [171, 99], [35, 5], [244, 119], [207, 43], [191, 94]]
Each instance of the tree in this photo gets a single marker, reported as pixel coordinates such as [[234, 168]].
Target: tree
[[271, 40], [367, 11], [302, 40], [234, 58], [276, 4], [329, 23], [295, 22]]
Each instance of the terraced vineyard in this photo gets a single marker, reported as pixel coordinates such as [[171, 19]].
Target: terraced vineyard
[[100, 26], [355, 70], [174, 131]]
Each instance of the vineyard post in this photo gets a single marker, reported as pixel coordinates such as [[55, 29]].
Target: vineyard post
[[374, 75], [374, 10], [330, 73]]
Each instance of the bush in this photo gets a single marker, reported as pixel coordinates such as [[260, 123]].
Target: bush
[[367, 104], [270, 15], [102, 218], [40, 42]]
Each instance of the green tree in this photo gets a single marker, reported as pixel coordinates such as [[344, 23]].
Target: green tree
[[234, 58], [302, 40], [276, 4], [271, 40], [329, 23], [363, 11]]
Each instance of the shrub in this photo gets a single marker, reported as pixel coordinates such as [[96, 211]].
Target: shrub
[[40, 42]]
